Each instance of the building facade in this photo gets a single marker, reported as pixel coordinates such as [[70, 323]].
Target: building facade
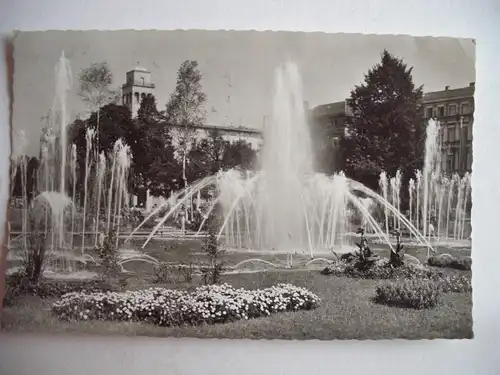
[[139, 84], [453, 108]]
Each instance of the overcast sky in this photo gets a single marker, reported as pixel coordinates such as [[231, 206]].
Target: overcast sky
[[239, 64]]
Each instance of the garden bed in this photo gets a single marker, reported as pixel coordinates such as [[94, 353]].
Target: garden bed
[[165, 307]]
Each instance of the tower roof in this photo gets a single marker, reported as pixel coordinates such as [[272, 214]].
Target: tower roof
[[139, 68]]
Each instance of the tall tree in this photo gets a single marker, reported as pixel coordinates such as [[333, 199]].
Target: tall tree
[[115, 123], [206, 157], [147, 141], [96, 91], [385, 131], [185, 111]]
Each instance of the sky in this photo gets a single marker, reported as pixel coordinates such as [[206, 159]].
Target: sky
[[235, 64]]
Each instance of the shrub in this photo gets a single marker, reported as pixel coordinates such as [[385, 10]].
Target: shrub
[[455, 284], [108, 255], [213, 272], [448, 261], [206, 304], [415, 294], [18, 284], [162, 273]]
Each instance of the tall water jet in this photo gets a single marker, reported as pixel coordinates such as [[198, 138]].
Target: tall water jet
[[458, 208], [432, 152], [123, 162], [418, 177], [286, 160], [89, 137], [383, 185], [411, 189], [467, 183], [392, 184], [73, 195], [101, 170], [64, 80], [452, 183]]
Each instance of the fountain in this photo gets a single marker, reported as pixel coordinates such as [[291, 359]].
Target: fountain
[[54, 210], [286, 206]]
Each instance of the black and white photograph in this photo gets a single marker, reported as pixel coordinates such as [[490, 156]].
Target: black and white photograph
[[241, 185]]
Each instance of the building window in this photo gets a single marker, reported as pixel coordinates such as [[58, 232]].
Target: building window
[[429, 112], [465, 109], [452, 110], [449, 161], [440, 111], [451, 133], [469, 133], [142, 81], [469, 158]]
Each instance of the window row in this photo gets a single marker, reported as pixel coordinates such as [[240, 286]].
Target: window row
[[449, 110]]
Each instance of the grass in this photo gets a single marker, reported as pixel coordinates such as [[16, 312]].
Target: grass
[[347, 311]]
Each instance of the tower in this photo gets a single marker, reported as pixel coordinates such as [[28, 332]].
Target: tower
[[138, 85]]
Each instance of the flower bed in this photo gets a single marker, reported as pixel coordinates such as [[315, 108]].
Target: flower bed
[[381, 269], [415, 294], [207, 304]]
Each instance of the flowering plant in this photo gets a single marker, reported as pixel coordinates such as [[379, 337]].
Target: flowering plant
[[206, 304]]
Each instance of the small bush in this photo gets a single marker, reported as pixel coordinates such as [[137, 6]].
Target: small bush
[[108, 255], [447, 261], [213, 271], [18, 284], [206, 304], [162, 273], [455, 284], [414, 294]]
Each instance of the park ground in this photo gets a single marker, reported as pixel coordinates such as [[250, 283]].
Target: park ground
[[347, 310]]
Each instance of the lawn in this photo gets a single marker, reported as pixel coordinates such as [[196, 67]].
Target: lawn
[[346, 312]]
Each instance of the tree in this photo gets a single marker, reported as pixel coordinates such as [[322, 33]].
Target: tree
[[206, 156], [385, 131], [142, 130], [185, 111], [115, 122], [95, 90], [165, 173], [239, 153]]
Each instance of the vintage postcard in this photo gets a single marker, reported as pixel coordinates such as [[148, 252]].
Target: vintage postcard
[[241, 184]]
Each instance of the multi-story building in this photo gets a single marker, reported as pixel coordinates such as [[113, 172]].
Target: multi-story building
[[453, 108], [139, 84]]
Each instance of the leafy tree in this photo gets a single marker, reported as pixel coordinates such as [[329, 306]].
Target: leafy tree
[[154, 165], [143, 128], [95, 90], [185, 111], [165, 172], [385, 132], [115, 122], [206, 156]]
